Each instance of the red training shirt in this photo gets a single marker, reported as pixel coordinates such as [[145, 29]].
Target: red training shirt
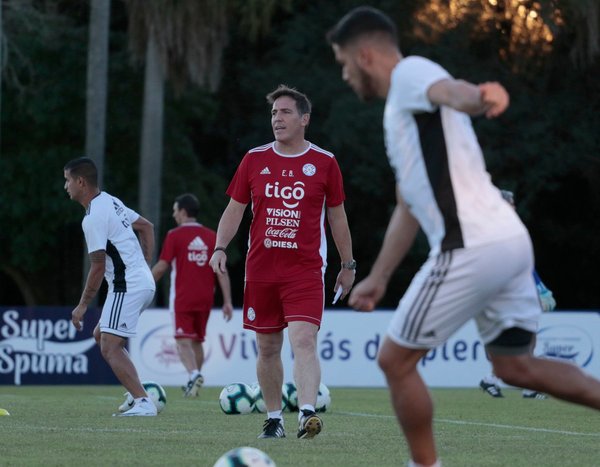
[[289, 195], [188, 249]]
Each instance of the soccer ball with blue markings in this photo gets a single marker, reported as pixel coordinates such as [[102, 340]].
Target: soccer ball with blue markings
[[236, 398], [154, 390], [289, 397], [156, 393], [245, 457], [259, 402], [323, 399]]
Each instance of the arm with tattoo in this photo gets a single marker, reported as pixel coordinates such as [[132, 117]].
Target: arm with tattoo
[[92, 285]]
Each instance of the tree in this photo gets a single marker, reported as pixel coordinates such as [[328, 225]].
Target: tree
[[182, 41], [96, 91]]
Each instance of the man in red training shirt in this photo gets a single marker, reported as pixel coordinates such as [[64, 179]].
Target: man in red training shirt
[[187, 249]]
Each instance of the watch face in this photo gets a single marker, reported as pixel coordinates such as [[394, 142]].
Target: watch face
[[349, 265]]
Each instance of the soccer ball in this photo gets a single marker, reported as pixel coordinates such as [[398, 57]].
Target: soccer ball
[[236, 398], [323, 399], [156, 393], [289, 397], [259, 402], [244, 457]]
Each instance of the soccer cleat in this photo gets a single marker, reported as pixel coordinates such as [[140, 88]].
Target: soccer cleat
[[310, 425], [491, 389], [272, 428], [534, 395], [144, 408], [125, 406], [193, 385]]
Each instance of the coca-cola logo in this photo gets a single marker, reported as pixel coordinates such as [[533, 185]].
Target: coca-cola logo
[[281, 233], [287, 193]]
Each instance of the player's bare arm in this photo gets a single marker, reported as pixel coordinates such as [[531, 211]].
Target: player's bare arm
[[228, 227], [338, 222], [399, 237], [145, 231], [92, 285], [159, 269], [225, 285], [489, 98]]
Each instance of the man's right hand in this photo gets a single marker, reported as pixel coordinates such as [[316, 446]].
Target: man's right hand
[[218, 262], [366, 294], [77, 316]]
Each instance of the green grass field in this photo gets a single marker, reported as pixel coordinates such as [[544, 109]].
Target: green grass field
[[72, 425]]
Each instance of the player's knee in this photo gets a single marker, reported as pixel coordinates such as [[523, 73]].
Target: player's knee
[[510, 354], [396, 362], [514, 372], [109, 348], [304, 344], [106, 351], [97, 335], [184, 344]]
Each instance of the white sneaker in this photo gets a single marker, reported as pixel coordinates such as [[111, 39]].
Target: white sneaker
[[125, 406], [143, 408], [193, 386]]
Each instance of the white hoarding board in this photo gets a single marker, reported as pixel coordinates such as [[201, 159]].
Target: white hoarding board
[[347, 345]]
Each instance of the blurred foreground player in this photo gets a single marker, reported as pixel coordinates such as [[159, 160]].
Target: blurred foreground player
[[481, 258], [116, 254]]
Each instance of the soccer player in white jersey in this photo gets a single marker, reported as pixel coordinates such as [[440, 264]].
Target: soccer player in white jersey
[[481, 260], [116, 254], [293, 187]]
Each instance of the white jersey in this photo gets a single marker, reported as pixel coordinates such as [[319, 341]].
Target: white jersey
[[107, 226], [439, 165]]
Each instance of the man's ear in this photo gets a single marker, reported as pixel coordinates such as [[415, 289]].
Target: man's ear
[[305, 119], [364, 56]]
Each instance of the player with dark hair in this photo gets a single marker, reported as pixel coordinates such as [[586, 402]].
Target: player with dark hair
[[480, 260], [116, 254], [292, 186], [187, 249]]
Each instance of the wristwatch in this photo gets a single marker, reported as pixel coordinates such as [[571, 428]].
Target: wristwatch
[[349, 265]]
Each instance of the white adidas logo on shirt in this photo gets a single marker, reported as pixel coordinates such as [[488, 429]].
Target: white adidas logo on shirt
[[265, 171], [197, 244]]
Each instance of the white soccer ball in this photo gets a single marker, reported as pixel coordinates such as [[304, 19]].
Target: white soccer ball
[[156, 393], [236, 398], [244, 457], [323, 399], [259, 402], [289, 397]]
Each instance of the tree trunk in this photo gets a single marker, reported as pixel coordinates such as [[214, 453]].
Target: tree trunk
[[152, 138], [97, 77], [96, 92]]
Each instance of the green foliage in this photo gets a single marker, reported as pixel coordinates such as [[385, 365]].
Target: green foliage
[[546, 147], [60, 425]]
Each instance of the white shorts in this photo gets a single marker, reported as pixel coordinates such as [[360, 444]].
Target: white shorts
[[121, 311], [491, 283]]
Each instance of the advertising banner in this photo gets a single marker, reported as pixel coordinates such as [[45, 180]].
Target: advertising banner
[[347, 345], [41, 346]]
